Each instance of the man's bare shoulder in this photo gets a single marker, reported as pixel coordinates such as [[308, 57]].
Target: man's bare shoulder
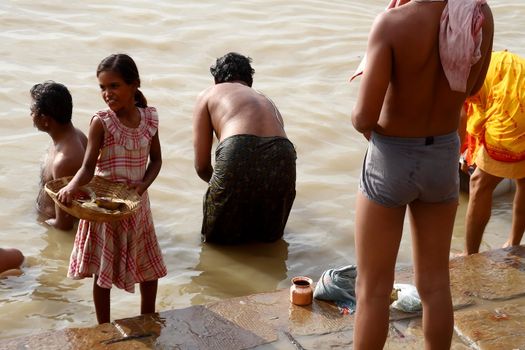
[[204, 93], [406, 19], [384, 20], [388, 25], [395, 16], [220, 93], [201, 104], [226, 88]]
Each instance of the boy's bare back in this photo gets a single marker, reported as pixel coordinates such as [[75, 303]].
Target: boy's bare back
[[403, 56]]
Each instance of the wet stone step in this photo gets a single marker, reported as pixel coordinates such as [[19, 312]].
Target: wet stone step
[[488, 294]]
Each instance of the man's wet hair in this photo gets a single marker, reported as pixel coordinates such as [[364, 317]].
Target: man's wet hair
[[52, 99], [232, 67]]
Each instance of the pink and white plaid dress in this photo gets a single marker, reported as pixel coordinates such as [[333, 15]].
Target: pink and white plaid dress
[[124, 252]]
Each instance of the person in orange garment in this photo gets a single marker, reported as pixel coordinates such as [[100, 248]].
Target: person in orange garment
[[414, 84], [494, 130]]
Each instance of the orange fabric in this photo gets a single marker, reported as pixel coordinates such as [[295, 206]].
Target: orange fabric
[[496, 114], [509, 170]]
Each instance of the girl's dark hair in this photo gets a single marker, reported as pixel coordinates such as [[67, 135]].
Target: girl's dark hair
[[125, 66], [52, 99], [231, 67]]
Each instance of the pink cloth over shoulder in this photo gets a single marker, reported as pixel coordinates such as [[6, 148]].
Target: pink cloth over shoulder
[[460, 39]]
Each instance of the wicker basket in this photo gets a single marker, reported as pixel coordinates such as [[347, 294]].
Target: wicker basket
[[104, 200]]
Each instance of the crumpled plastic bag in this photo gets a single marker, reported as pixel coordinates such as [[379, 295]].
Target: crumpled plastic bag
[[338, 285], [407, 298]]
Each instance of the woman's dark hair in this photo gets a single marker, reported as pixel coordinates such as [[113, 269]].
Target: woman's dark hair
[[125, 66], [52, 99], [231, 67]]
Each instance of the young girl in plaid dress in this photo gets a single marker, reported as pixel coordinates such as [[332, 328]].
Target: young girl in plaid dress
[[123, 146]]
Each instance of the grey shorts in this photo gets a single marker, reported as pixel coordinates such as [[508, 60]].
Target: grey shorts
[[399, 170]]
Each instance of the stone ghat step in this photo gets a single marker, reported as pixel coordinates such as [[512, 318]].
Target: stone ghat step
[[488, 293]]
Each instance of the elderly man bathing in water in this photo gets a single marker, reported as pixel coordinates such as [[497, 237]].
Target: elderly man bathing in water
[[414, 84], [251, 189], [51, 111]]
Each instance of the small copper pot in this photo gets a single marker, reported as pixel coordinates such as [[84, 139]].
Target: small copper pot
[[301, 292]]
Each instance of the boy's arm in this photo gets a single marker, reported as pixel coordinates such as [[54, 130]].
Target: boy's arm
[[376, 78], [64, 166]]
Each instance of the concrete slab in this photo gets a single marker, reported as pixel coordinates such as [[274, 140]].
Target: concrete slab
[[489, 301], [496, 326], [487, 276]]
